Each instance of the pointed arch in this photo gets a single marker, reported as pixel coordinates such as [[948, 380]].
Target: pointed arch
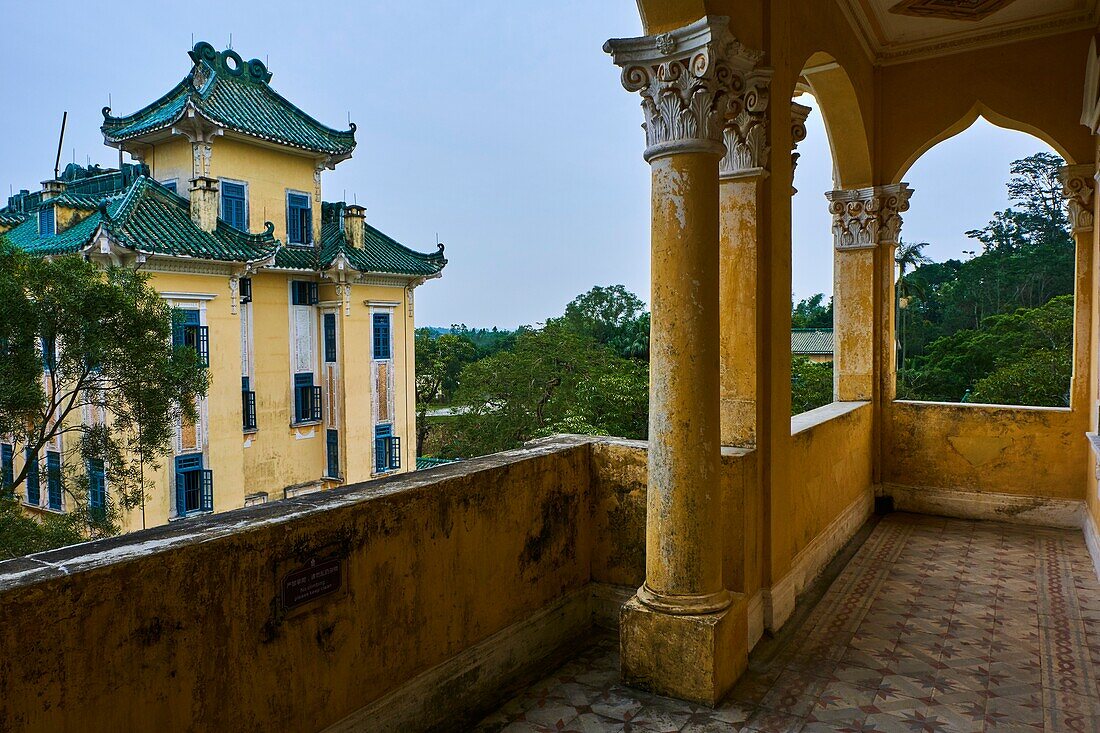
[[980, 109]]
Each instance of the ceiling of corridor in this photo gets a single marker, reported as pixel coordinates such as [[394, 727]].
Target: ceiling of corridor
[[898, 30]]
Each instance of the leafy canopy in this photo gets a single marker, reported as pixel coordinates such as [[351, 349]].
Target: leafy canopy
[[87, 362]]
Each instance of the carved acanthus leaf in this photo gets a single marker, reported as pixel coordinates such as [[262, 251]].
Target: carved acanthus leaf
[[1079, 189], [864, 218], [691, 80]]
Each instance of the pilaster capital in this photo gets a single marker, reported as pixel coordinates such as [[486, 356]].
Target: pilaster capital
[[1079, 188], [746, 134], [692, 80], [864, 218]]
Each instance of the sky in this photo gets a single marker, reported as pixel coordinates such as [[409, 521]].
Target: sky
[[499, 126]]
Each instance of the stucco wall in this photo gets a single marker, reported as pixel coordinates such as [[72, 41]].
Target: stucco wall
[[987, 448], [179, 627]]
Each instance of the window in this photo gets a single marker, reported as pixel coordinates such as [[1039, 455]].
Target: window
[[330, 337], [194, 486], [387, 449], [46, 224], [49, 354], [186, 331], [248, 404], [7, 467], [34, 493], [299, 219], [246, 290], [53, 479], [170, 185], [234, 205], [307, 398], [332, 453], [382, 348], [303, 293], [97, 488]]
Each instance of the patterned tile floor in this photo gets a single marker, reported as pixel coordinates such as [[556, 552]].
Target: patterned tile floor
[[934, 626]]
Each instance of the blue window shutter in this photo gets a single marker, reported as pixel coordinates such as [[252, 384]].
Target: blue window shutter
[[330, 337], [181, 493], [53, 478], [46, 222], [234, 205], [34, 493], [299, 220], [7, 466], [332, 445], [381, 324], [303, 396], [97, 488]]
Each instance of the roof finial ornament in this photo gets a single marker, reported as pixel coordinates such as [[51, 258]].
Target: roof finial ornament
[[269, 229]]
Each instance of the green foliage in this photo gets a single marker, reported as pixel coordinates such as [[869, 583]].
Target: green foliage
[[612, 316], [811, 384], [1019, 358], [439, 361], [553, 380], [963, 323], [810, 313], [113, 359]]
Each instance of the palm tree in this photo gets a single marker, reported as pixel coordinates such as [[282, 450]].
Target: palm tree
[[908, 255]]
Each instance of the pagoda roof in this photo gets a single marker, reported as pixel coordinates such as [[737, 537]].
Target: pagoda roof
[[379, 254], [236, 95], [150, 219]]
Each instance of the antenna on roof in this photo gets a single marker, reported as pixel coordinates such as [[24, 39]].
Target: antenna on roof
[[192, 40], [60, 142], [355, 198], [230, 41], [345, 196]]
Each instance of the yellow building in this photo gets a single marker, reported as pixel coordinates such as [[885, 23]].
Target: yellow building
[[306, 326]]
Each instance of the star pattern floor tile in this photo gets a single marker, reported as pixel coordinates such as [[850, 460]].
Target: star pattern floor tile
[[934, 626]]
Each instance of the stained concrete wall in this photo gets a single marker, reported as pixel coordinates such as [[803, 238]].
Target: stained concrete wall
[[1025, 451], [181, 628]]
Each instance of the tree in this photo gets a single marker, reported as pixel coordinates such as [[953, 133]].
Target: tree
[[439, 361], [554, 380], [612, 316], [810, 313], [1021, 358], [811, 384], [87, 360], [908, 255]]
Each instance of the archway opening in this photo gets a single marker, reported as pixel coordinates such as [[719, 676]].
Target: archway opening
[[985, 274], [811, 265]]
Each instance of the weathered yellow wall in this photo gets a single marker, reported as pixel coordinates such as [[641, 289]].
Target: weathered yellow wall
[[1034, 86], [1008, 450], [269, 174], [179, 628], [833, 455]]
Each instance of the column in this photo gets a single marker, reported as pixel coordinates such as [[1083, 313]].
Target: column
[[742, 170], [866, 228], [683, 634], [1079, 189]]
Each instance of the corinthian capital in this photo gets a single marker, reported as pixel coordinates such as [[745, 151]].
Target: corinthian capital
[[691, 80], [746, 134], [1079, 187], [864, 218]]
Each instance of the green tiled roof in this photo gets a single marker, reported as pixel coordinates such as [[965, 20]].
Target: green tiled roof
[[86, 201], [150, 218], [379, 253], [11, 219], [230, 92], [811, 340], [423, 463]]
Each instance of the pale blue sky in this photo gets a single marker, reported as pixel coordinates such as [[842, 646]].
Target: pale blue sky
[[501, 125]]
